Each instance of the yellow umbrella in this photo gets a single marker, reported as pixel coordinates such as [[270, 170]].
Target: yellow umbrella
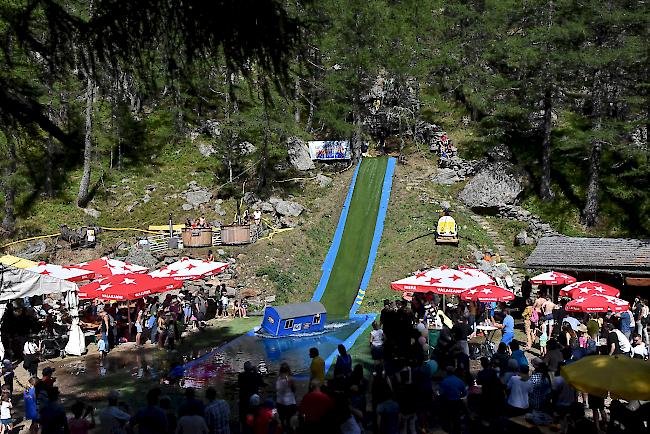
[[17, 262], [621, 376]]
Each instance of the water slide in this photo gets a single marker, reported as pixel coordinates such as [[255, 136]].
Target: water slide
[[347, 269]]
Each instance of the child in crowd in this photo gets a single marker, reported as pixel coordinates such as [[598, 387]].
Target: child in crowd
[[5, 414], [102, 347], [543, 339], [8, 375]]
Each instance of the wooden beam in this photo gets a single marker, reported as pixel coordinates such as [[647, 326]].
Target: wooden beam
[[637, 281]]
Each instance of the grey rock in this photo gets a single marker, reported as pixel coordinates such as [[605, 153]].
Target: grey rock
[[298, 154], [211, 127], [197, 198], [206, 149], [323, 181], [288, 222], [187, 207], [141, 257], [218, 201], [131, 206], [146, 198], [218, 210], [288, 209], [446, 176], [263, 206], [274, 200], [92, 212], [247, 148], [150, 187], [522, 239], [250, 198], [499, 153], [221, 252], [495, 185], [33, 250], [445, 205]]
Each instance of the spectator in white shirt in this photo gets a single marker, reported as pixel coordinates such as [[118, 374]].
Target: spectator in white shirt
[[519, 386], [639, 348]]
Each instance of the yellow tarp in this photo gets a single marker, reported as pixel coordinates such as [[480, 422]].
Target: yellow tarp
[[446, 226], [165, 227], [17, 262], [621, 376]]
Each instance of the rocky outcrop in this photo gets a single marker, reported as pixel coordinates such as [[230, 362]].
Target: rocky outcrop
[[498, 184], [323, 181], [195, 196], [454, 169], [286, 208], [298, 154], [536, 227], [206, 149]]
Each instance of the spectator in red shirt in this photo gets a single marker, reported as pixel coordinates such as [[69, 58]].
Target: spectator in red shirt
[[314, 408]]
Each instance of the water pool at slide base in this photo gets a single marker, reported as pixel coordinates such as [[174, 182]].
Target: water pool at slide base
[[353, 250], [231, 357]]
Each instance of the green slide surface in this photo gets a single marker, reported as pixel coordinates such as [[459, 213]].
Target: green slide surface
[[352, 256]]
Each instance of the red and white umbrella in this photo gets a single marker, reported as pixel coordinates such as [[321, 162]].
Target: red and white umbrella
[[589, 287], [127, 287], [487, 293], [64, 272], [552, 278], [105, 267], [597, 303], [190, 269], [443, 280]]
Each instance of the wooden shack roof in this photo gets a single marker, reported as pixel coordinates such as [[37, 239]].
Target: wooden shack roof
[[610, 255]]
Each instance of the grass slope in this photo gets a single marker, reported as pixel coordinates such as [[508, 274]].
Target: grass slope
[[352, 256]]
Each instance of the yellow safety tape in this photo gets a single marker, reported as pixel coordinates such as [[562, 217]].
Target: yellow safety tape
[[29, 239], [129, 229]]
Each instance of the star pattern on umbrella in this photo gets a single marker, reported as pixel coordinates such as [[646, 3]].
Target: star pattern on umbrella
[[190, 266], [472, 291], [172, 272], [580, 300], [433, 280], [105, 286], [420, 275], [128, 281], [585, 290], [487, 291], [456, 277], [599, 289], [45, 272]]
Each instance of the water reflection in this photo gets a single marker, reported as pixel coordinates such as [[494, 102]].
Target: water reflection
[[267, 353]]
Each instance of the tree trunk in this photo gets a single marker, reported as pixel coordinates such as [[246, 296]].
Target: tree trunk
[[546, 192], [8, 186], [590, 211], [296, 114], [84, 186], [356, 136]]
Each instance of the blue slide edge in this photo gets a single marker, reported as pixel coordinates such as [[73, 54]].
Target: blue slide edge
[[349, 342], [328, 264]]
